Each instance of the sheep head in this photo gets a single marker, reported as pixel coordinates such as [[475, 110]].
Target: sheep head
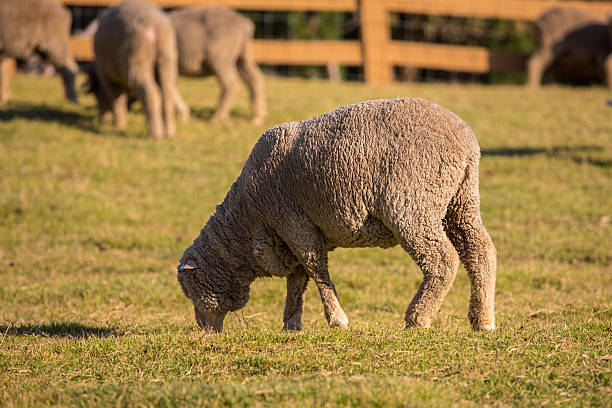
[[213, 289]]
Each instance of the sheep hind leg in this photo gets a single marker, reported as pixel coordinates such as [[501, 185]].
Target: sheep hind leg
[[167, 72], [147, 91], [438, 261], [478, 255], [228, 79], [251, 75], [294, 303], [120, 111], [608, 70]]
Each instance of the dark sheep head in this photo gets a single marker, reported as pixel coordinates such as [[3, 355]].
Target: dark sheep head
[[214, 290]]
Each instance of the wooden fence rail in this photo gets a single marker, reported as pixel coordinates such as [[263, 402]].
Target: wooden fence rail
[[376, 52]]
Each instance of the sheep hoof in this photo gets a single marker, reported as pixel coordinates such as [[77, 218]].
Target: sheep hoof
[[482, 320], [218, 118], [288, 327], [416, 326], [339, 321], [483, 327], [414, 322], [294, 323]]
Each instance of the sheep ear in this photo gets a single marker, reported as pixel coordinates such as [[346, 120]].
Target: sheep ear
[[185, 266]]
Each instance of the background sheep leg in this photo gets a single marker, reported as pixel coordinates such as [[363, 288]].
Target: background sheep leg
[[251, 75], [108, 93], [475, 249], [294, 303], [120, 111], [537, 64], [167, 69], [228, 78], [67, 67], [147, 91], [608, 70], [306, 243], [181, 106], [4, 80], [439, 261]]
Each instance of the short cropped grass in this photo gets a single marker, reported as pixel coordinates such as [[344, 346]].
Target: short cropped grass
[[93, 222]]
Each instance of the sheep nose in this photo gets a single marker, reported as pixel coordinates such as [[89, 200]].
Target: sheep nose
[[208, 320]]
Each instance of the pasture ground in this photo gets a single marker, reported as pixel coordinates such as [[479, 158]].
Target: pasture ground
[[93, 222]]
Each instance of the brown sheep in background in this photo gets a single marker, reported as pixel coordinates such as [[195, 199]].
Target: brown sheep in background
[[217, 40], [374, 174], [574, 38], [29, 27], [135, 55]]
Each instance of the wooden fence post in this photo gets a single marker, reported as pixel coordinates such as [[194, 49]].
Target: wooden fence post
[[375, 32]]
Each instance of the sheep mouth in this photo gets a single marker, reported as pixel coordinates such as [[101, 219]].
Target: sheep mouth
[[207, 320]]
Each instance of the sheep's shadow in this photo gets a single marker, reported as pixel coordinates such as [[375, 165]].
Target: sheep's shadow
[[206, 113], [46, 113], [574, 153], [62, 329]]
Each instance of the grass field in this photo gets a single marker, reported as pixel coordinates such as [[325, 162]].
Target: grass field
[[93, 222]]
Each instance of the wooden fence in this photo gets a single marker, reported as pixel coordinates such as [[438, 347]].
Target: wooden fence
[[376, 52]]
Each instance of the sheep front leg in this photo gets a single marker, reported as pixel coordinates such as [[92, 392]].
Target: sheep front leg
[[305, 241], [181, 106], [317, 270], [4, 79], [536, 66], [294, 303], [120, 111]]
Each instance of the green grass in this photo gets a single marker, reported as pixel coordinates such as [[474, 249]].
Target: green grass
[[93, 221]]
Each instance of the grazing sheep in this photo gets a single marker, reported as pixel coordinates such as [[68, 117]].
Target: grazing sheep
[[374, 174], [42, 27], [135, 55], [217, 40], [576, 38]]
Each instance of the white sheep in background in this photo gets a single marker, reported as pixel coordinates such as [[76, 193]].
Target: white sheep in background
[[29, 27], [218, 40], [135, 55]]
